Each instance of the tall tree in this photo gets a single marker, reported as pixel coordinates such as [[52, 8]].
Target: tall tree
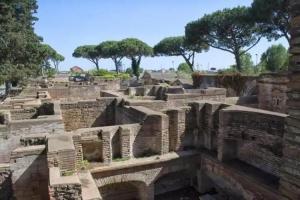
[[88, 52], [49, 54], [111, 49], [56, 59], [275, 58], [19, 45], [273, 17], [231, 30], [135, 49], [177, 46]]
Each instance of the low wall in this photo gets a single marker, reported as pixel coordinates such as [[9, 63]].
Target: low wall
[[107, 84], [71, 92]]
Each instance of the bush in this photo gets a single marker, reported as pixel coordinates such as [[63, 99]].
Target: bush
[[51, 73], [234, 80], [185, 68]]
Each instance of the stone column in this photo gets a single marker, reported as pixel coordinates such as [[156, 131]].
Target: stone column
[[290, 173]]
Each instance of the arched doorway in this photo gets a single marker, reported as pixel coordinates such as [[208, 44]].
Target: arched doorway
[[132, 190]]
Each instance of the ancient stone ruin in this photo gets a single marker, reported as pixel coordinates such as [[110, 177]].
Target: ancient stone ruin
[[101, 142]]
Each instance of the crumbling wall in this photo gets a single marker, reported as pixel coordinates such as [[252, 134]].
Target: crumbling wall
[[64, 187], [20, 114], [85, 114]]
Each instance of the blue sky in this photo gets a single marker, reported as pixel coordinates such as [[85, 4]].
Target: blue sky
[[66, 24]]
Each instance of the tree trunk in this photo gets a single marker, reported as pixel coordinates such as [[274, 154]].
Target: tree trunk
[[116, 64], [135, 65], [238, 61], [190, 64], [8, 86], [97, 65]]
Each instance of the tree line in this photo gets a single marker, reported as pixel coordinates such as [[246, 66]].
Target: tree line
[[235, 31]]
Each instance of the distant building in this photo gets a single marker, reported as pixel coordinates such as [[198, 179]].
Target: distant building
[[76, 69]]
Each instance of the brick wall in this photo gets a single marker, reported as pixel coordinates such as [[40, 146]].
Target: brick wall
[[290, 175], [20, 114], [234, 183], [85, 114], [253, 136], [30, 173], [64, 187], [272, 90], [72, 92]]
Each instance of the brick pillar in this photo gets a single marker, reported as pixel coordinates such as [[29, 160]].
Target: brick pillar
[[125, 142], [78, 150], [164, 134], [227, 147], [290, 172], [176, 128], [106, 147]]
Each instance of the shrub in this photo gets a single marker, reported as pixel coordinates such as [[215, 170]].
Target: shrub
[[84, 164], [109, 75], [233, 80]]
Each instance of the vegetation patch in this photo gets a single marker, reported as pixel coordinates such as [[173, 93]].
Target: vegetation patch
[[236, 81]]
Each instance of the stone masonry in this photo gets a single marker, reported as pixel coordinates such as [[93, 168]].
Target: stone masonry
[[153, 142]]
